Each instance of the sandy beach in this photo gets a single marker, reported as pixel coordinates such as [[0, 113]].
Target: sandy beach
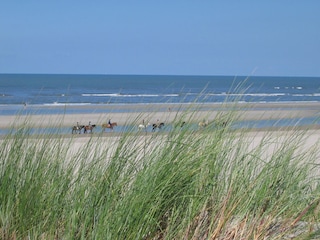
[[167, 113], [311, 141], [170, 113]]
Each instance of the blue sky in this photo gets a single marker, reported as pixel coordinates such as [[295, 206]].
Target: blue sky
[[266, 38]]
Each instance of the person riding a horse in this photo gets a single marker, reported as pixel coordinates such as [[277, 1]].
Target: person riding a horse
[[109, 125], [89, 127], [77, 128]]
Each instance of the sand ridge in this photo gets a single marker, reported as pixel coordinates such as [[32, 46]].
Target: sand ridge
[[168, 113]]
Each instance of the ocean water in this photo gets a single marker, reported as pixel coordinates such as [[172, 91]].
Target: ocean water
[[42, 91]]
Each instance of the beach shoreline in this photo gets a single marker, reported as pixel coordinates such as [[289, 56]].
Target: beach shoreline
[[136, 113], [171, 113]]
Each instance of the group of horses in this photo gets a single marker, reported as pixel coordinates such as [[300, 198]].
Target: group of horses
[[144, 126], [159, 125], [77, 129], [205, 123], [89, 128]]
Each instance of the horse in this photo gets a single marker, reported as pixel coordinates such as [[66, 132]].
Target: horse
[[157, 125], [89, 128], [179, 124], [203, 124], [77, 129], [182, 124], [108, 125], [143, 126], [221, 124]]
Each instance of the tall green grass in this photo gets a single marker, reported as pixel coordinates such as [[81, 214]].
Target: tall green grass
[[209, 183]]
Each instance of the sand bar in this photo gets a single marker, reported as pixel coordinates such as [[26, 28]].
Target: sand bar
[[135, 113]]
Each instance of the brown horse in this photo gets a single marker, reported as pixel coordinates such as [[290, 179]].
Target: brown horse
[[203, 124], [157, 125], [107, 125], [89, 128]]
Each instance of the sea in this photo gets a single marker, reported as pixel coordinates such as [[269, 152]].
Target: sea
[[68, 93]]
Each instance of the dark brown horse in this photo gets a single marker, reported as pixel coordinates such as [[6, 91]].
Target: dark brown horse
[[77, 129], [157, 125], [108, 125], [89, 128]]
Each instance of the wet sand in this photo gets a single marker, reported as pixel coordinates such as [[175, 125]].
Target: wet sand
[[168, 113]]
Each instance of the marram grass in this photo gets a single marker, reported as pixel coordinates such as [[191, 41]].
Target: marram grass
[[188, 183]]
